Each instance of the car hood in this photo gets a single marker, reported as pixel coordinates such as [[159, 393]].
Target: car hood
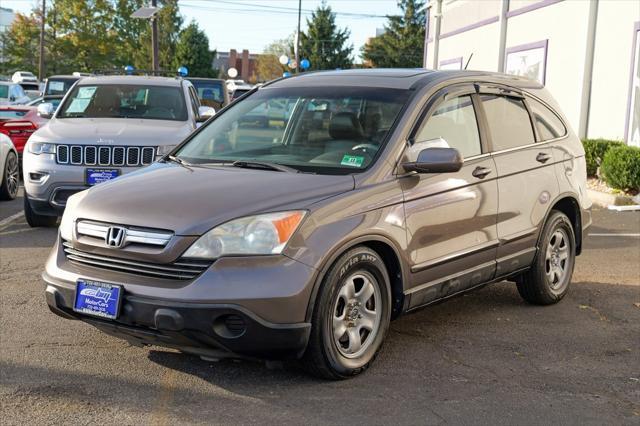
[[116, 131], [192, 200]]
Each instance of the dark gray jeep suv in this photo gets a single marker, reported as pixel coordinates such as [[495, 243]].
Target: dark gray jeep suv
[[302, 219]]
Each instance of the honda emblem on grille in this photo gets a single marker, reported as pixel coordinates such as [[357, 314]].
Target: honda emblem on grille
[[115, 236]]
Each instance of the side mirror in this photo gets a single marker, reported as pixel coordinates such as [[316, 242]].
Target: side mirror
[[46, 110], [204, 113], [12, 98], [435, 160]]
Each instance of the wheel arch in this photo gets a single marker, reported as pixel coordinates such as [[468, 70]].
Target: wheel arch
[[568, 204], [390, 255]]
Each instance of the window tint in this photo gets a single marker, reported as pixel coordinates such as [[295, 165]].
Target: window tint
[[548, 124], [455, 122], [509, 122]]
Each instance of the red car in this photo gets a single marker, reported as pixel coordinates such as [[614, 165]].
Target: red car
[[19, 122]]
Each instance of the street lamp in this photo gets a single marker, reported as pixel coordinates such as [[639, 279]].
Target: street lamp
[[150, 13]]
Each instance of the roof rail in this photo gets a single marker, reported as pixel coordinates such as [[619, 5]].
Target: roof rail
[[156, 73]]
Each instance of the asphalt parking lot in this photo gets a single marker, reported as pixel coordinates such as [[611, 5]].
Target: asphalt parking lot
[[484, 358]]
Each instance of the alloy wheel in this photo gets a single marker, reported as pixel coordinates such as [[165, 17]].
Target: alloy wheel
[[557, 260], [12, 175]]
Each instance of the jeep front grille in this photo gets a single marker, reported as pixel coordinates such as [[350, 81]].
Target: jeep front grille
[[181, 269], [104, 155]]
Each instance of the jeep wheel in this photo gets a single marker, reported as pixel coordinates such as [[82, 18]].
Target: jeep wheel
[[36, 220], [548, 279], [351, 316]]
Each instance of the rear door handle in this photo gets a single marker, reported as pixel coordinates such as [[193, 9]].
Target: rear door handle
[[481, 172], [542, 157]]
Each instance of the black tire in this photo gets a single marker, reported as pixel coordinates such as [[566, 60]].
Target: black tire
[[541, 285], [10, 178], [36, 220], [326, 356]]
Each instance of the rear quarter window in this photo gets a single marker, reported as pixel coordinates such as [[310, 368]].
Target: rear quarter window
[[546, 121]]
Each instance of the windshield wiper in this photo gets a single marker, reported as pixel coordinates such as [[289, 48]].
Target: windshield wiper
[[251, 164], [178, 160]]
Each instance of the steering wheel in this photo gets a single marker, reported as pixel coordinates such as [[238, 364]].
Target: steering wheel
[[365, 147]]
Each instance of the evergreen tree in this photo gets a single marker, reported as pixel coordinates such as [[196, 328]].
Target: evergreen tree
[[192, 51], [324, 44], [402, 44]]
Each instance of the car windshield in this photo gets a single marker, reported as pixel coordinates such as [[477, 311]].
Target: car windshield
[[326, 130], [125, 101], [211, 93], [58, 87]]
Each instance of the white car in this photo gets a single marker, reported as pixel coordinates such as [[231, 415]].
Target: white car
[[9, 167], [24, 77], [12, 94]]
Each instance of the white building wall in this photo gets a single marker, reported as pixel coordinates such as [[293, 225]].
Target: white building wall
[[611, 68], [481, 42], [564, 25]]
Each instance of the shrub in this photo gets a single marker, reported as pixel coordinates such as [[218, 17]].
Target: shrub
[[621, 168], [594, 150]]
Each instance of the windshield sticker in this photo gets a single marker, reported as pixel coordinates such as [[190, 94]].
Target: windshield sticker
[[78, 105], [86, 92], [352, 160]]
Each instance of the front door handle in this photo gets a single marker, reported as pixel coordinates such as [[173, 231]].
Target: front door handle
[[543, 157], [481, 172]]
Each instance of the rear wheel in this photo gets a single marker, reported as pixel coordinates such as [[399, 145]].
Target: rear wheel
[[351, 316], [548, 279], [10, 178], [36, 220]]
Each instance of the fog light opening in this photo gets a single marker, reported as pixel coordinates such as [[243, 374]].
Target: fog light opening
[[229, 326]]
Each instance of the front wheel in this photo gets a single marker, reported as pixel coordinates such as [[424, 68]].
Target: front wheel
[[10, 178], [548, 279], [351, 316]]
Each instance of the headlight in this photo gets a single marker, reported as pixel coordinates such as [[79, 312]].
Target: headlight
[[253, 235], [41, 148], [164, 149]]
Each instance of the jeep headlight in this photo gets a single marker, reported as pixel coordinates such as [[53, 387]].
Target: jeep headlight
[[164, 150], [41, 148], [253, 235]]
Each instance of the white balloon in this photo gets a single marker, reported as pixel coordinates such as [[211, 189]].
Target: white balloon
[[284, 59], [232, 72]]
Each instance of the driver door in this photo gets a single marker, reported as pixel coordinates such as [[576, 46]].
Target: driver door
[[451, 217]]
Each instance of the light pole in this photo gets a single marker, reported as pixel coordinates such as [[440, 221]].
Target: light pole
[[41, 61], [298, 37], [150, 13]]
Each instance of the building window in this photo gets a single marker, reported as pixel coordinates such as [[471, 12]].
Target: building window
[[528, 60]]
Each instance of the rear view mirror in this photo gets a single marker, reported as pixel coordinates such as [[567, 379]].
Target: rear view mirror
[[204, 113], [46, 110], [435, 160]]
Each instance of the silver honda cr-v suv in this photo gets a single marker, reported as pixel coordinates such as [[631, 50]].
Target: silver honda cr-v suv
[[305, 216], [105, 127]]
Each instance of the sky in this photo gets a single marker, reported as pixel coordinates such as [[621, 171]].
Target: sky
[[252, 24]]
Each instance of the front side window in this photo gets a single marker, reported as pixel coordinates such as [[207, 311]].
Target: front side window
[[314, 129], [454, 121], [547, 122], [509, 122], [125, 101], [210, 93]]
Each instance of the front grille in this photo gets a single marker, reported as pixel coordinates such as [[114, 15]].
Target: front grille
[[181, 269], [132, 235], [102, 155]]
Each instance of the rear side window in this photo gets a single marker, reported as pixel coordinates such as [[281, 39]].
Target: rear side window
[[547, 122], [509, 122], [455, 122]]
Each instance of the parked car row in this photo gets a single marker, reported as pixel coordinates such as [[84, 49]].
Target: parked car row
[[304, 217]]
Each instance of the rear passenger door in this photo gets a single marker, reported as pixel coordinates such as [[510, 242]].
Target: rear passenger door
[[451, 217], [527, 183]]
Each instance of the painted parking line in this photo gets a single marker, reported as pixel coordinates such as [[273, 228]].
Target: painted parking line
[[8, 220], [616, 234]]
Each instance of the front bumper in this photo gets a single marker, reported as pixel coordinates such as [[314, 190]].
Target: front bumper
[[237, 307]]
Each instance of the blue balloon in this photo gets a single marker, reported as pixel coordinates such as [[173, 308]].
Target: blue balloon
[[286, 74], [183, 71], [129, 69], [304, 64]]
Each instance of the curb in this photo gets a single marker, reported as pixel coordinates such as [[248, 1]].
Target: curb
[[605, 200]]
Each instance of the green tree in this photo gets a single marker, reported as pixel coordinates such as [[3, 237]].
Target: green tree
[[401, 45], [20, 45], [132, 36], [192, 51], [324, 44]]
